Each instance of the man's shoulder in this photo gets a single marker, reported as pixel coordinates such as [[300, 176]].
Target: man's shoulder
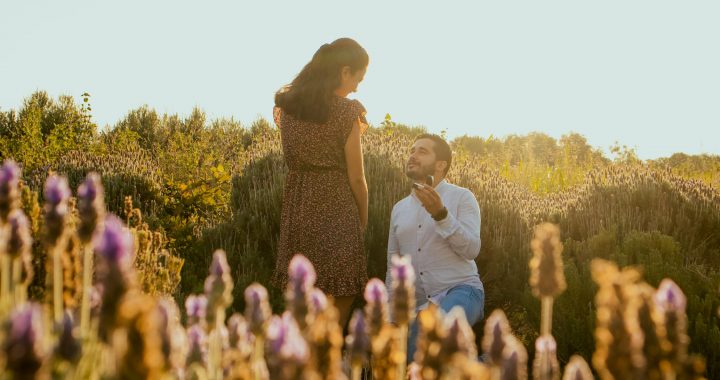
[[461, 194], [455, 189], [401, 202]]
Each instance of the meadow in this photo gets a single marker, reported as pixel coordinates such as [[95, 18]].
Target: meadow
[[187, 187]]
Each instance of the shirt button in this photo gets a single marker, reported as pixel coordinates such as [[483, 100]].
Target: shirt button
[[419, 225], [418, 249]]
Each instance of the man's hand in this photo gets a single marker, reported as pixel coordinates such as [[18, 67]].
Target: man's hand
[[430, 199]]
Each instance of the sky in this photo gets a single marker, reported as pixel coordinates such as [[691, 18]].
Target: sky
[[643, 73]]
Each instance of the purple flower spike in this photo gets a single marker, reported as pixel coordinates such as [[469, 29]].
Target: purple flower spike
[[237, 330], [68, 346], [91, 206], [90, 188], [219, 266], [319, 300], [56, 190], [23, 344], [9, 173], [114, 243], [669, 297], [197, 344], [358, 342], [376, 292], [285, 340], [20, 240], [257, 308], [196, 306], [9, 192], [276, 333], [218, 286], [302, 272], [460, 337], [402, 270]]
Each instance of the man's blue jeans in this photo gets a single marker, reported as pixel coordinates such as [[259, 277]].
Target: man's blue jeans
[[471, 299]]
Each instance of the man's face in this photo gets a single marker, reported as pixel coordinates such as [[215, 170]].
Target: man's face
[[422, 160]]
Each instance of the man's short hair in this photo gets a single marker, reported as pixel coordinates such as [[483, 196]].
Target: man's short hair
[[441, 148]]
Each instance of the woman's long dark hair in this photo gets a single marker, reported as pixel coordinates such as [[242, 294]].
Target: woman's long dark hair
[[308, 96]]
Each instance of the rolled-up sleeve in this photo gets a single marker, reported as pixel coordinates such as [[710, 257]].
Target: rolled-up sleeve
[[462, 231]]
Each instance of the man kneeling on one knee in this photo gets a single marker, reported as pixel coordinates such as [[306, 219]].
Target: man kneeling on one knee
[[438, 226]]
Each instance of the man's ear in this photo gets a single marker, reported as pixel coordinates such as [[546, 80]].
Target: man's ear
[[441, 165]]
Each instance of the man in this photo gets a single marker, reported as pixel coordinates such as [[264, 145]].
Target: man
[[438, 225]]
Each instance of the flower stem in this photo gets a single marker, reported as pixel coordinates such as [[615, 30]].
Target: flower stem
[[5, 285], [258, 357], [402, 336], [356, 371], [215, 362], [87, 284], [19, 290], [546, 320], [57, 284]]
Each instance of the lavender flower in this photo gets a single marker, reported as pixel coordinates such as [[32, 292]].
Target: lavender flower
[[91, 206], [20, 240], [302, 278], [68, 346], [546, 266], [114, 247], [669, 297], [257, 308], [577, 369], [288, 351], [545, 365], [671, 302], [358, 342], [301, 272], [238, 332], [514, 364], [57, 193], [460, 337], [9, 192], [114, 243], [497, 329], [403, 281], [196, 308], [218, 287], [197, 343], [23, 350], [318, 301], [376, 298], [172, 335]]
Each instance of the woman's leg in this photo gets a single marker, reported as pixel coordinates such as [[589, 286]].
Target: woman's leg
[[343, 305]]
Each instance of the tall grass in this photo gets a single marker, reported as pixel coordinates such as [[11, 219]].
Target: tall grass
[[129, 332]]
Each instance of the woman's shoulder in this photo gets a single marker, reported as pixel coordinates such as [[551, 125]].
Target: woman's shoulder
[[349, 104], [350, 111]]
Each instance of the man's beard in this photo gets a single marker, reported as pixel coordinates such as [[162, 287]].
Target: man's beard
[[419, 172]]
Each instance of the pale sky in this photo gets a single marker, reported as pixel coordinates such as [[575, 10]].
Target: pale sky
[[644, 73]]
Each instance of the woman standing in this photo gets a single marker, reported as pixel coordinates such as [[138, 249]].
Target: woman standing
[[325, 200]]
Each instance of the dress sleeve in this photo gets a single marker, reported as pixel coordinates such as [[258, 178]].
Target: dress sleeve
[[355, 111]]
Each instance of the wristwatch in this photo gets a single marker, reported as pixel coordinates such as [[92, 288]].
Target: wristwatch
[[442, 214]]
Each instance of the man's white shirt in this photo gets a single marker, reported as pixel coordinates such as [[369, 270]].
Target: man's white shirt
[[443, 252]]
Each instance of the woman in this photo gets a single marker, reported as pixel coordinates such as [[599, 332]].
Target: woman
[[325, 205]]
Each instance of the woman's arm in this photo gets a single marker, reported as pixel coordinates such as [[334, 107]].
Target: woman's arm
[[356, 172]]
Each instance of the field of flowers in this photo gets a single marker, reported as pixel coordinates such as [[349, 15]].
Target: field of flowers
[[625, 279]]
